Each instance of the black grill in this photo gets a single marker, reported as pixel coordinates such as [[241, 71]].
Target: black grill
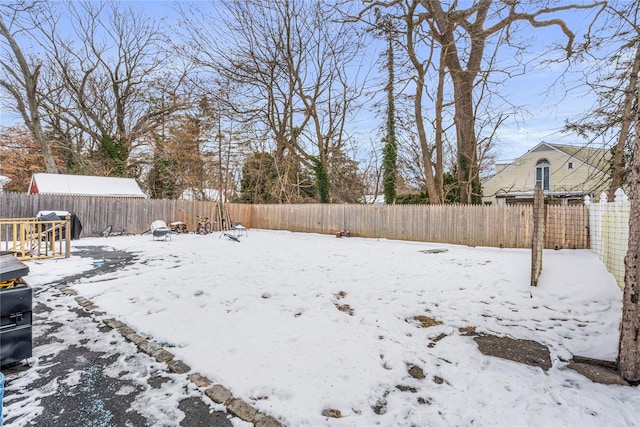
[[16, 302]]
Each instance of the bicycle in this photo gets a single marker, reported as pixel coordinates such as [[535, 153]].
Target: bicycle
[[108, 232], [204, 225]]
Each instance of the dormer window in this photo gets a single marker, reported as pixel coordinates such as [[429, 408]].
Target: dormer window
[[543, 174]]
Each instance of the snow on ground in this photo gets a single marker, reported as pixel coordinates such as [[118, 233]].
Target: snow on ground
[[63, 328], [262, 318]]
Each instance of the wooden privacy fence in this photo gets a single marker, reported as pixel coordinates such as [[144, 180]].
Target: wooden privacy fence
[[97, 213], [498, 226], [476, 225]]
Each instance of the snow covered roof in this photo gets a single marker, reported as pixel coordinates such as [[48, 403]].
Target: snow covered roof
[[374, 199], [82, 185], [203, 194]]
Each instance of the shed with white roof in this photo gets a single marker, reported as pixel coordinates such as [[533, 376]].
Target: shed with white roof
[[83, 185]]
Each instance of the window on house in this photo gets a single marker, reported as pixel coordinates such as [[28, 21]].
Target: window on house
[[543, 174], [570, 166]]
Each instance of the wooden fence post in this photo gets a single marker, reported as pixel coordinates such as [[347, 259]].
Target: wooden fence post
[[537, 243], [67, 225]]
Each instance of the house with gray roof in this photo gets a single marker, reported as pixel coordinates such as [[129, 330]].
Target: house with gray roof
[[566, 174]]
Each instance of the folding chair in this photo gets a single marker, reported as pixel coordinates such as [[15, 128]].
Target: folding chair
[[160, 230]]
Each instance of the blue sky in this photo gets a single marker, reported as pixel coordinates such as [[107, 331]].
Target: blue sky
[[545, 105]]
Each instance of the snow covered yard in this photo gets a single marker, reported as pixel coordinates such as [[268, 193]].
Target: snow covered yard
[[297, 324]]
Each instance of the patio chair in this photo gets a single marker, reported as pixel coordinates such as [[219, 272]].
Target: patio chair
[[160, 230], [239, 229]]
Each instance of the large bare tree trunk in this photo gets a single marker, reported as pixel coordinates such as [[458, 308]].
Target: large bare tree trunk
[[466, 135], [435, 192], [433, 169], [25, 89], [629, 345], [463, 80], [619, 169]]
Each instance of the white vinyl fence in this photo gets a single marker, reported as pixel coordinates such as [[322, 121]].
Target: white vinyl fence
[[609, 231]]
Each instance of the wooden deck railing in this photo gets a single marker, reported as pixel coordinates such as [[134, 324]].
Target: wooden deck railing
[[30, 238]]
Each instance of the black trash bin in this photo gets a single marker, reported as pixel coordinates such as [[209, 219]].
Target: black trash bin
[[16, 306], [76, 225]]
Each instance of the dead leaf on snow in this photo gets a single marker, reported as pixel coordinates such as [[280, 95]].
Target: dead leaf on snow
[[345, 308], [426, 321], [332, 413], [467, 330]]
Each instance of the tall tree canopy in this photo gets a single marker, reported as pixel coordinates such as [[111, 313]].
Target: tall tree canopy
[[293, 64], [462, 40]]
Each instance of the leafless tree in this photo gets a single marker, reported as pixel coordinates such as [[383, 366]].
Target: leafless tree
[[462, 32], [628, 120], [290, 60], [372, 172], [110, 78], [464, 57], [415, 40], [612, 57], [629, 344], [20, 74], [613, 47]]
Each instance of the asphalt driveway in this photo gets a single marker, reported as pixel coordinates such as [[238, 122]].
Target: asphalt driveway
[[85, 373]]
